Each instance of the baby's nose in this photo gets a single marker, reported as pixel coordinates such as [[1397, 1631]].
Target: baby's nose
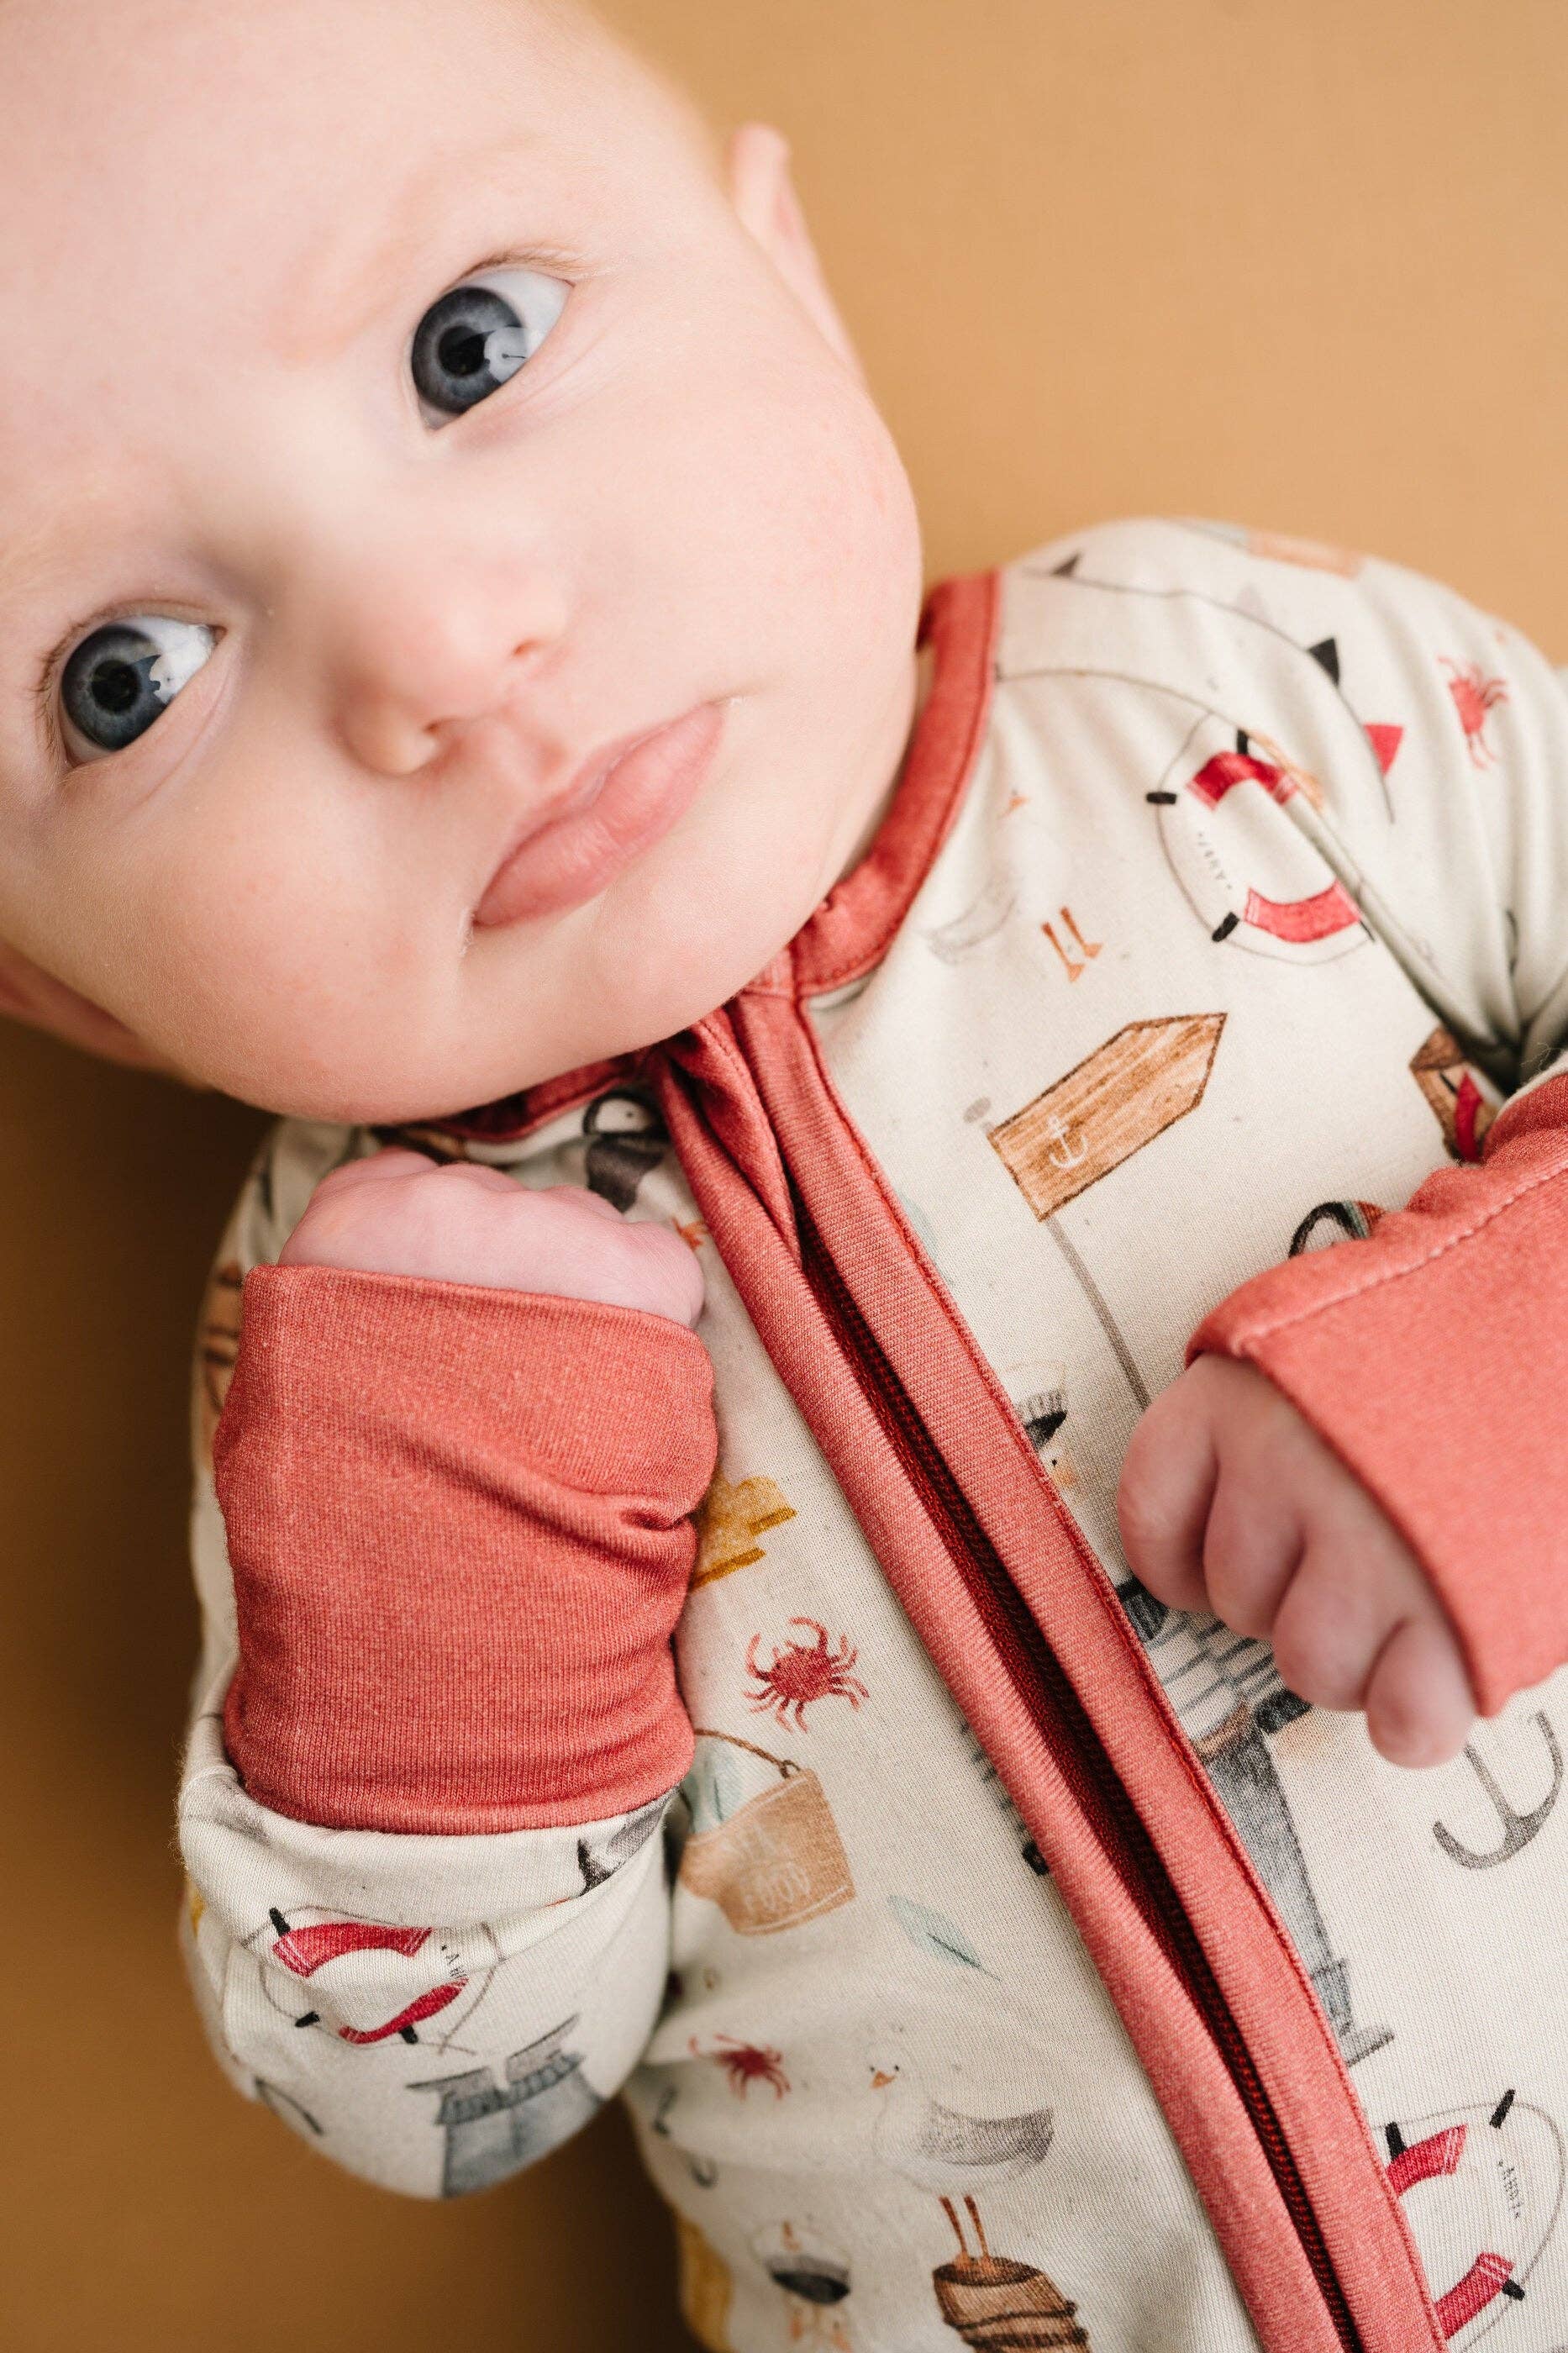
[[419, 666]]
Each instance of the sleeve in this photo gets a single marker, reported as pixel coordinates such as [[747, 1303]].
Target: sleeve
[[441, 1547], [1432, 1354]]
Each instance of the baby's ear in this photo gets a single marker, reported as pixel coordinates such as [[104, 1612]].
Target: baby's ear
[[762, 193], [30, 995]]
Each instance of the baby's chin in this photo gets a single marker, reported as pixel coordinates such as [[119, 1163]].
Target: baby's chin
[[389, 1083]]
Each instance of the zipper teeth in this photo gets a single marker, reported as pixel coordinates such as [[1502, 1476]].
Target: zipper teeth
[[1064, 1724]]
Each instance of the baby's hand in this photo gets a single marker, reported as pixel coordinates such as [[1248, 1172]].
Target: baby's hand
[[1229, 1502], [399, 1213]]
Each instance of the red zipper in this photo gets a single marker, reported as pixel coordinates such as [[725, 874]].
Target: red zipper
[[1054, 1708]]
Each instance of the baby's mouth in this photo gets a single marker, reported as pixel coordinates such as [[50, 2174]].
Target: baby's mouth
[[626, 798]]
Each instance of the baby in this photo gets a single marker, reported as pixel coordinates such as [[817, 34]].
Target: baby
[[839, 1554]]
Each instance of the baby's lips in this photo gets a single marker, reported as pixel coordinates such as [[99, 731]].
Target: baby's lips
[[638, 791]]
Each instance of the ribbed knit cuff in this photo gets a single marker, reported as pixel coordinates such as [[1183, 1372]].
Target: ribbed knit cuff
[[459, 1521]]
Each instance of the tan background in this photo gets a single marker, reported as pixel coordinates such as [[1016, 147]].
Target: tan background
[[1300, 265]]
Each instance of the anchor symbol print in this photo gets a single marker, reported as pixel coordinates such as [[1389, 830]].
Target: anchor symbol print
[[1088, 949], [1518, 1829], [1059, 1141]]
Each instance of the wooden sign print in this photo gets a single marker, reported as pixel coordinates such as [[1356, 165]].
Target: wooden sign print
[[1119, 1098]]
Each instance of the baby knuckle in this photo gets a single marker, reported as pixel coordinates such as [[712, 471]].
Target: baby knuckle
[[668, 1270], [1232, 1586], [1312, 1663], [1141, 1516]]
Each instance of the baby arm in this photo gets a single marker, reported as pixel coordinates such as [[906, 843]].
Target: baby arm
[[1363, 1460], [428, 1768]]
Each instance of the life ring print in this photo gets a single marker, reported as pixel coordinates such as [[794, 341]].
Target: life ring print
[[1252, 877], [1481, 2190], [363, 1982]]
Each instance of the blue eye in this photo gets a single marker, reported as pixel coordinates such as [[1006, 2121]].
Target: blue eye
[[469, 342], [123, 676]]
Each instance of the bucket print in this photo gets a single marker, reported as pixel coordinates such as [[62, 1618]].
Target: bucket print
[[770, 1861]]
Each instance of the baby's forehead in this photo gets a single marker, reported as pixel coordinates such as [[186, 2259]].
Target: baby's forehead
[[188, 184], [172, 127]]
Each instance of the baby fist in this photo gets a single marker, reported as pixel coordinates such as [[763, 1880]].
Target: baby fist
[[399, 1213], [1229, 1502]]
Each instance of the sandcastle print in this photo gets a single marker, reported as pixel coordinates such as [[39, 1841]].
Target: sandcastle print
[[730, 1518], [763, 1845], [1464, 1102]]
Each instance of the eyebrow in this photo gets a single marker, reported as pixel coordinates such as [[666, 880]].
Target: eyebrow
[[362, 286]]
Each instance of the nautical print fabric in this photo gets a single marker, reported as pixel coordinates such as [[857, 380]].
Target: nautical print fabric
[[1172, 1005]]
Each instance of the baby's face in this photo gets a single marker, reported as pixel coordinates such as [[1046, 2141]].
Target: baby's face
[[397, 418]]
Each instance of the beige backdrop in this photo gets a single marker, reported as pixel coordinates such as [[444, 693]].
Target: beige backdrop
[[1300, 265]]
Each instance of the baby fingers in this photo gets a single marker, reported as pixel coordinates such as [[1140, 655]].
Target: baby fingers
[[1337, 1614], [1419, 1705], [1252, 1549], [1162, 1501], [1361, 1628]]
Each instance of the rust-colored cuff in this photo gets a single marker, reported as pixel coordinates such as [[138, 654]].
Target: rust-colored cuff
[[459, 1521]]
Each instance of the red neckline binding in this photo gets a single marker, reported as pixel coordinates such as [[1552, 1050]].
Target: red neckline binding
[[852, 928]]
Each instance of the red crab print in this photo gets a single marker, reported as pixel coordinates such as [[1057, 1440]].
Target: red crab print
[[803, 1671], [1475, 696], [746, 2064]]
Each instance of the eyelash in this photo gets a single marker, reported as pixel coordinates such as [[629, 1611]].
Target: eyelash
[[45, 694]]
